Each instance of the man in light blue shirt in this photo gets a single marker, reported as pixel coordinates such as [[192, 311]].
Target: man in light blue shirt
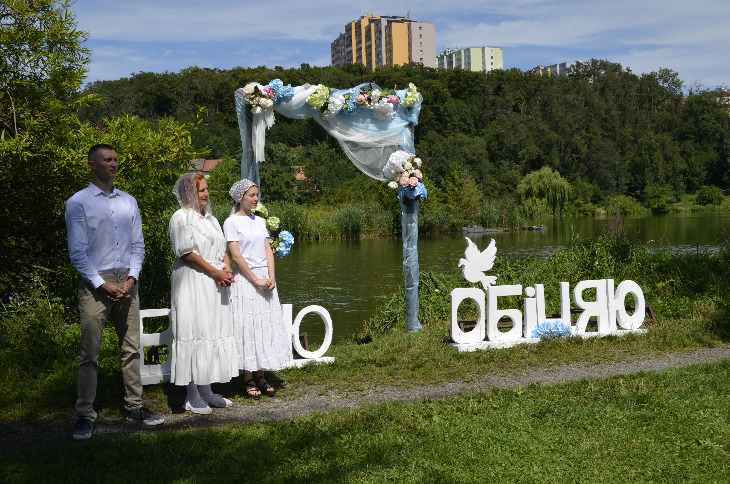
[[106, 246]]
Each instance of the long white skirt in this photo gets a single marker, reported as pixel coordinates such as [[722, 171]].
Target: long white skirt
[[203, 346], [262, 338]]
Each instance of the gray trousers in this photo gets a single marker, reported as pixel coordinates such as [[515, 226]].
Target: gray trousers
[[95, 308]]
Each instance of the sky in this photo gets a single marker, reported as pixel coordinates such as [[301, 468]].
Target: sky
[[131, 36]]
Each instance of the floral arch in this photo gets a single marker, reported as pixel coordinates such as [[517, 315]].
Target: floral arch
[[373, 126]]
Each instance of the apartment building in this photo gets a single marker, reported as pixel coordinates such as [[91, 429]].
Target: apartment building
[[555, 69], [375, 41], [477, 59]]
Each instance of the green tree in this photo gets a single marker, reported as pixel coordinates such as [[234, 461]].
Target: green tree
[[544, 188], [42, 64], [463, 198]]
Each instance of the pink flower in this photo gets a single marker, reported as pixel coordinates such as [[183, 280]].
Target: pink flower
[[393, 99], [414, 181], [418, 174], [362, 99], [270, 93], [405, 181]]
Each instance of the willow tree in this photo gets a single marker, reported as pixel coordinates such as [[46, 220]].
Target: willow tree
[[544, 189]]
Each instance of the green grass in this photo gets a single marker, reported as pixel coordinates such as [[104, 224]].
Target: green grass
[[670, 426]]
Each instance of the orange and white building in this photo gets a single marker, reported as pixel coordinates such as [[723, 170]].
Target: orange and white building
[[376, 41]]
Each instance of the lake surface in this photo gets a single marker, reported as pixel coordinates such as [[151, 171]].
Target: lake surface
[[352, 278]]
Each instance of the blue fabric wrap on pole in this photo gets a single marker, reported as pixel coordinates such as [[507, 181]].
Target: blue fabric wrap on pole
[[409, 225], [249, 166]]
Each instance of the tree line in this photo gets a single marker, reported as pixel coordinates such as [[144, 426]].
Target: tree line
[[604, 129]]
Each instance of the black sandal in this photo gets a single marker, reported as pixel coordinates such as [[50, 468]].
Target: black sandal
[[265, 388], [249, 387]]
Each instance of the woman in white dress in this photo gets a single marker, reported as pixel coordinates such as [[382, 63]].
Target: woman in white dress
[[262, 338], [204, 349]]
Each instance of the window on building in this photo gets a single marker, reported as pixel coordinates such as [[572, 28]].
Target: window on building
[[420, 52]]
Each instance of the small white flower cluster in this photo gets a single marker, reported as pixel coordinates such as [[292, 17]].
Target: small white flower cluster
[[334, 105]]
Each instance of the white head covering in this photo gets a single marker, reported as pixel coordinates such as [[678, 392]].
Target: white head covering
[[186, 192], [237, 191]]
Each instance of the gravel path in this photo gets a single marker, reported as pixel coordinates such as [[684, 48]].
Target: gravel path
[[314, 399]]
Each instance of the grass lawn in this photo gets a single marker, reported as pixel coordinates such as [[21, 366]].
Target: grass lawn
[[671, 426]]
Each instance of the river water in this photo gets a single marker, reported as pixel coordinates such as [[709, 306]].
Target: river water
[[352, 278]]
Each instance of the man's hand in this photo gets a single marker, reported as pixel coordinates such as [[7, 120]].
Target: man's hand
[[116, 293]]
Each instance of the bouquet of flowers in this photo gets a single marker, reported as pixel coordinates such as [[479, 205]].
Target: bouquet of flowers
[[281, 241], [262, 98], [383, 103], [405, 169]]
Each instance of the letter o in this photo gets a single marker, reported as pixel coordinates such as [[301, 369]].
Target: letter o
[[325, 315], [637, 319]]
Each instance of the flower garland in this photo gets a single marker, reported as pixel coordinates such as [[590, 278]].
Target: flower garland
[[281, 241], [262, 98], [405, 169], [552, 329], [383, 103]]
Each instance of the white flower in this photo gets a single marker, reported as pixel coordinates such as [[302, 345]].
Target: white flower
[[248, 89], [407, 165], [393, 185], [395, 163], [375, 95], [266, 103], [417, 162], [334, 104], [257, 109], [383, 110]]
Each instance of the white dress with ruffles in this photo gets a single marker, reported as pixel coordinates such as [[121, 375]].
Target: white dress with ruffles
[[203, 346], [262, 338]]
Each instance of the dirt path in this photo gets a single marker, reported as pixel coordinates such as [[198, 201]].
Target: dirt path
[[314, 399]]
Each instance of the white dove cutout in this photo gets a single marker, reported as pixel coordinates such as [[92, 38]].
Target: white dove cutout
[[476, 263]]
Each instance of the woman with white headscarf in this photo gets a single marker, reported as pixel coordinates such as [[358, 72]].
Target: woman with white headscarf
[[204, 349], [262, 338]]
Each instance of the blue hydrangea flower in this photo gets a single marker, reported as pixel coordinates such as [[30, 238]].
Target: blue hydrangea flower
[[283, 93], [552, 329], [413, 193], [351, 107], [286, 237]]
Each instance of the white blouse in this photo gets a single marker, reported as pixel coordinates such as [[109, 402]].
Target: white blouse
[[251, 235]]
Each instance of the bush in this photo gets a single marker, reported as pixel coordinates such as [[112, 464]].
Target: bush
[[658, 198], [624, 205], [294, 218], [35, 328], [501, 214], [710, 195], [350, 221]]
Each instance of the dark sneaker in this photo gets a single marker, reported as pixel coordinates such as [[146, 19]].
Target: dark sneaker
[[145, 416], [83, 428]]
